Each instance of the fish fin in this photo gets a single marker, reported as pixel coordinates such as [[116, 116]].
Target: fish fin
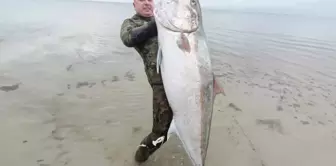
[[218, 89], [158, 60], [172, 129]]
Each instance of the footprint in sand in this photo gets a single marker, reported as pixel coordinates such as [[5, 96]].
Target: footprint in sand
[[273, 124], [9, 88]]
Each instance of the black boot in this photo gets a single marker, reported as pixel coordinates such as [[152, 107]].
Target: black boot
[[142, 154], [148, 146]]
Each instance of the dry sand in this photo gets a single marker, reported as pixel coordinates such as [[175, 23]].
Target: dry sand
[[73, 96]]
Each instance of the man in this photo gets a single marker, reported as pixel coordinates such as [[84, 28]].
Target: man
[[140, 32]]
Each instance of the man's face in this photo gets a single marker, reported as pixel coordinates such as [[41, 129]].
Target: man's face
[[144, 7]]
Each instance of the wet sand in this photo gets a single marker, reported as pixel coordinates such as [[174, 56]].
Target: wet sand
[[72, 94]]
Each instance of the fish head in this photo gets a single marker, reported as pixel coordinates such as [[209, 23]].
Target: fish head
[[178, 15]]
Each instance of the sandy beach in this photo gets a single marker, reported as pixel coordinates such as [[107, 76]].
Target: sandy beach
[[72, 94]]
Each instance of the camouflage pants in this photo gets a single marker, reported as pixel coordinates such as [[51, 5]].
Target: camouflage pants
[[162, 117]]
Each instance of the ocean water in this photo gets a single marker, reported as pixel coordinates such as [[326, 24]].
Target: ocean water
[[289, 39], [65, 75]]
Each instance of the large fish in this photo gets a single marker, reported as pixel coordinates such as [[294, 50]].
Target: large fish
[[185, 64]]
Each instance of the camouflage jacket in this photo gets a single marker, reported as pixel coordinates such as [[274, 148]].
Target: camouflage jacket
[[147, 50]]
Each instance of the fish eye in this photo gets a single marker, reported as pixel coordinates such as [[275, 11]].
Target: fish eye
[[193, 2]]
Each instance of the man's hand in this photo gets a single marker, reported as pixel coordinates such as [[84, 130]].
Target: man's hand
[[143, 33]]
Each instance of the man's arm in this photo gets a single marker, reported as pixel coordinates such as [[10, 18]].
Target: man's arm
[[132, 35]]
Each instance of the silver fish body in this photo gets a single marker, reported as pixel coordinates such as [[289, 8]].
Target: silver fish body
[[185, 65]]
